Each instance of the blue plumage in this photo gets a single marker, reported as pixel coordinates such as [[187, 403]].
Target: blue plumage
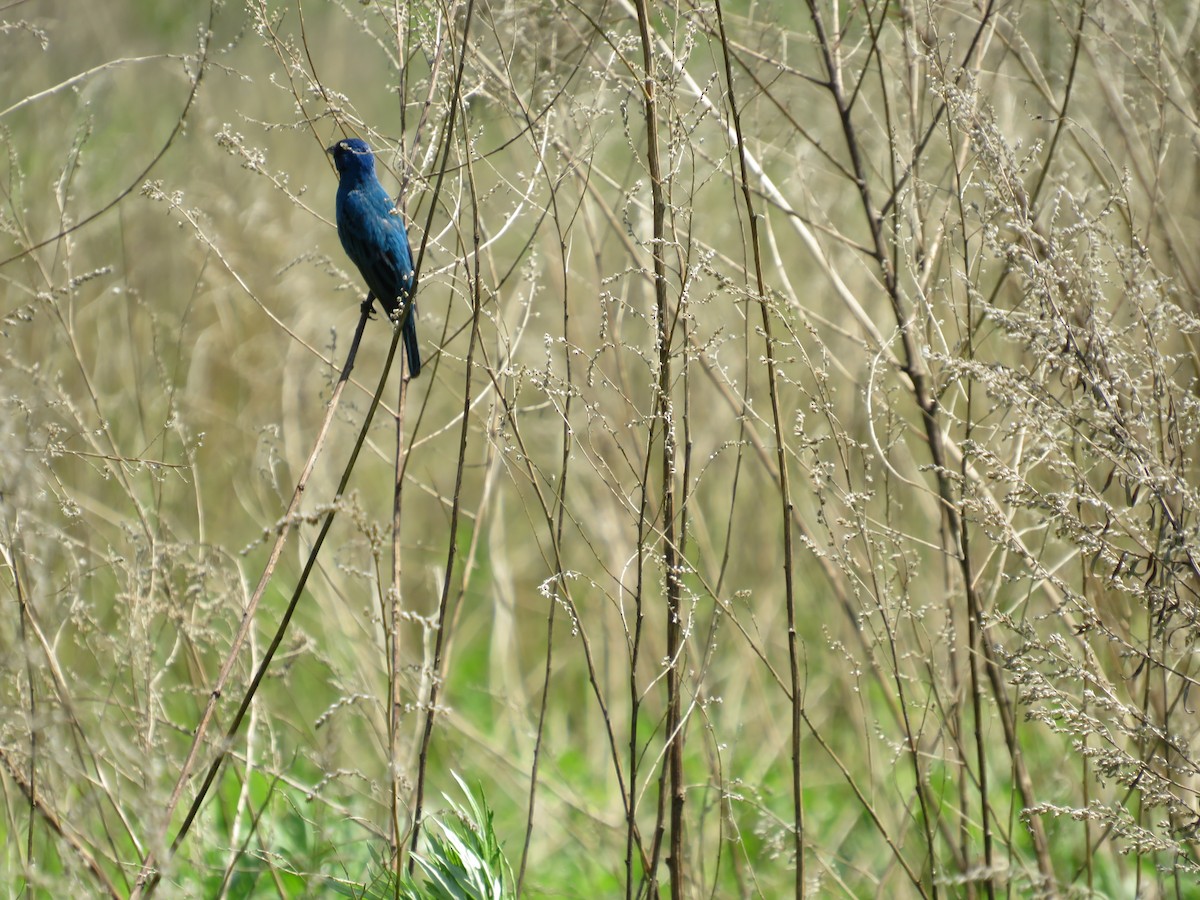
[[373, 236]]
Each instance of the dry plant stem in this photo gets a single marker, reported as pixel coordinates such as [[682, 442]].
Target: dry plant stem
[[865, 802], [512, 416], [918, 153], [84, 751], [624, 781], [9, 555], [431, 702], [560, 510], [736, 403], [395, 597], [137, 181], [974, 637], [64, 313], [150, 876], [541, 726], [251, 832], [635, 694], [395, 607], [439, 57], [633, 839], [10, 558], [927, 403], [298, 591], [770, 465], [974, 610], [664, 416], [911, 366], [1061, 118], [58, 826], [558, 516], [785, 493], [776, 197]]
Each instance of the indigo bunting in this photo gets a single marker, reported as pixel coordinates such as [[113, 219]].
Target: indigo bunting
[[373, 236]]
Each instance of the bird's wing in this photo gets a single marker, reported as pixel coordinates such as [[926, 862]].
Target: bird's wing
[[375, 239]]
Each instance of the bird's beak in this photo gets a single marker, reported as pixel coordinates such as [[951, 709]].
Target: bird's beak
[[331, 148]]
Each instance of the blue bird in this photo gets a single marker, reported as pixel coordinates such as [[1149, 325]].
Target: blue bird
[[373, 236]]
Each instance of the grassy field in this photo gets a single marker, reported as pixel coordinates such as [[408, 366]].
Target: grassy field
[[800, 498]]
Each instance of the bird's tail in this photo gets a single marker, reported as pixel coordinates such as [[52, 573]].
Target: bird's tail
[[411, 350]]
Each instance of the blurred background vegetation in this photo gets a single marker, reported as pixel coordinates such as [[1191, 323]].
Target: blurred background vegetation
[[800, 497]]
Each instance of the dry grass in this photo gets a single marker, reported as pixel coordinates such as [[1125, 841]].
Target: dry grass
[[801, 496]]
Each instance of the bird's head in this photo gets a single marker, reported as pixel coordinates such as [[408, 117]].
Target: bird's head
[[352, 157]]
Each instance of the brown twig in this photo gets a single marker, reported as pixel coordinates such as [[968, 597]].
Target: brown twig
[[58, 826], [151, 872], [430, 703], [795, 699]]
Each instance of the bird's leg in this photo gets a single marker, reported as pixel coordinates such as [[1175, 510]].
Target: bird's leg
[[368, 306]]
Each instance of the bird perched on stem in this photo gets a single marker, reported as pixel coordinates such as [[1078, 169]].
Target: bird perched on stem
[[373, 236]]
